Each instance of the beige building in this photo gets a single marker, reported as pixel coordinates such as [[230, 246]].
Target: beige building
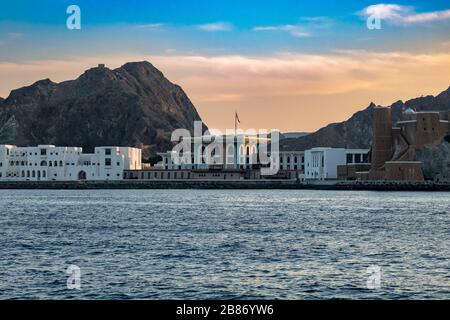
[[394, 148]]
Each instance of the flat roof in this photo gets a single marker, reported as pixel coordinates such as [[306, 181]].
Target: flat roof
[[404, 162]]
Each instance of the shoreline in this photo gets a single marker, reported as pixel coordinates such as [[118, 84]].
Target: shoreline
[[219, 184]]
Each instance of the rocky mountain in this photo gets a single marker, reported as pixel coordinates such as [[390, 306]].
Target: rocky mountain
[[435, 160], [289, 135], [134, 105], [356, 132]]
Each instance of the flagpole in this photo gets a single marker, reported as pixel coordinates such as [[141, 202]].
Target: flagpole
[[235, 140], [235, 122]]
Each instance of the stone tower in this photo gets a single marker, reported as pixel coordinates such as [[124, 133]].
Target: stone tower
[[382, 137]]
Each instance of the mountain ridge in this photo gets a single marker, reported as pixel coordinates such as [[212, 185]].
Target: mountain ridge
[[356, 131], [133, 105]]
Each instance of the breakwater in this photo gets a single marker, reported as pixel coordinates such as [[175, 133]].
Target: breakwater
[[244, 184]]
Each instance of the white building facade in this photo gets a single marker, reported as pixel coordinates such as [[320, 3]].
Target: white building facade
[[215, 152], [322, 163], [51, 163]]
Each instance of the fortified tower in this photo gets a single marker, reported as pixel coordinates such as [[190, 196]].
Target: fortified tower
[[382, 137]]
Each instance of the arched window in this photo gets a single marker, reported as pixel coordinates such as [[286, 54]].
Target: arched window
[[28, 173], [203, 156], [55, 163], [60, 163], [43, 163], [33, 174], [49, 163], [43, 174], [23, 174], [230, 154], [295, 159]]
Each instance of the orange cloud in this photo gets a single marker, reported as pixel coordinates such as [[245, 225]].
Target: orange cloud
[[287, 91]]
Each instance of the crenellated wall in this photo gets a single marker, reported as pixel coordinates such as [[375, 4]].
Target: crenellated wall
[[394, 149]]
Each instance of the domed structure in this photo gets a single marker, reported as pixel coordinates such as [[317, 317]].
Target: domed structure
[[409, 114]]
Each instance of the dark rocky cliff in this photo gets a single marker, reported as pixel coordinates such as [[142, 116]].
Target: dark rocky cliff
[[134, 105]]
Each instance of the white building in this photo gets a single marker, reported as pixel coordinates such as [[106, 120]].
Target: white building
[[50, 163], [215, 152], [291, 160], [322, 163]]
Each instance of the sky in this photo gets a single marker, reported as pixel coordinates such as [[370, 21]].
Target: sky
[[290, 65]]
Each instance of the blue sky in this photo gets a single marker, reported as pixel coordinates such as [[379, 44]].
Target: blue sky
[[281, 57], [242, 13], [176, 24]]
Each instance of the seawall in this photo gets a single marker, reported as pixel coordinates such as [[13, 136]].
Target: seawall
[[244, 184]]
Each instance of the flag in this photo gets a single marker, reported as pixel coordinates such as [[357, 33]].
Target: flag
[[236, 117]]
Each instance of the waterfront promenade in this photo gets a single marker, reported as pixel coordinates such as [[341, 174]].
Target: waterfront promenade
[[244, 184]]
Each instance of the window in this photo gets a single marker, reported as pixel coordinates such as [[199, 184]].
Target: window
[[358, 158], [118, 164], [43, 152], [349, 158], [107, 161], [366, 158], [108, 152]]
